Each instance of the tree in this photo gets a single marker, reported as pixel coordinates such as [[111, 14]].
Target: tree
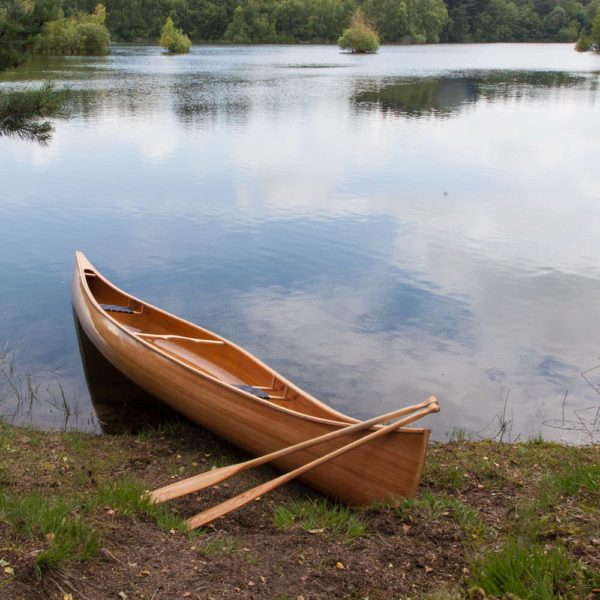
[[20, 21], [173, 39], [426, 19], [595, 37], [78, 34], [21, 113], [360, 37], [390, 17], [584, 43]]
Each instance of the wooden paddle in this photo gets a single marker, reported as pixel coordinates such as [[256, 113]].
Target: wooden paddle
[[210, 478], [242, 499]]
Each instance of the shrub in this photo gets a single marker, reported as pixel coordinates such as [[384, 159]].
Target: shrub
[[173, 39], [596, 32], [82, 34], [584, 43], [92, 38], [360, 37]]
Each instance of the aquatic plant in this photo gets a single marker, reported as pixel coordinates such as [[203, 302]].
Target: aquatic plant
[[360, 37], [173, 39]]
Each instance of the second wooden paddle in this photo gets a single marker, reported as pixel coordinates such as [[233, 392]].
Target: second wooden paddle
[[210, 478], [242, 499]]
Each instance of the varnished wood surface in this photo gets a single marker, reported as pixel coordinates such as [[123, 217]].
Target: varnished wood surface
[[194, 371], [214, 476], [216, 512]]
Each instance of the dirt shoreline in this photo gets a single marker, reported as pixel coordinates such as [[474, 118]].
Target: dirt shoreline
[[478, 503]]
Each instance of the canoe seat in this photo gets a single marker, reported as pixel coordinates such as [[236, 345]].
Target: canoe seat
[[253, 390], [117, 308]]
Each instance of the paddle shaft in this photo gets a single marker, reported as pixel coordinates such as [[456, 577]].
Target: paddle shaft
[[242, 499], [209, 478]]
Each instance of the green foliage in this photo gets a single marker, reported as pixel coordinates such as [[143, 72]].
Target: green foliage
[[237, 30], [390, 18], [595, 37], [249, 24], [13, 15], [20, 21], [78, 34], [21, 112], [528, 571], [404, 21], [320, 515], [359, 38], [92, 39], [515, 20], [173, 39], [56, 522], [426, 19]]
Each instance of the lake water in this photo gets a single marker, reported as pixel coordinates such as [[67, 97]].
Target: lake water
[[377, 228]]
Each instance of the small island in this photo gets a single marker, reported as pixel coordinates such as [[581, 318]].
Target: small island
[[360, 37]]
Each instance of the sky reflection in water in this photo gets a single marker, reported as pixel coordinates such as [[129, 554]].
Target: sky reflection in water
[[376, 228]]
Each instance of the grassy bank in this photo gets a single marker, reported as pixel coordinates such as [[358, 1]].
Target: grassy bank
[[490, 520]]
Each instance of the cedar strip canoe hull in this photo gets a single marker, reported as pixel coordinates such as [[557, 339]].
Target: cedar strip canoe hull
[[195, 372]]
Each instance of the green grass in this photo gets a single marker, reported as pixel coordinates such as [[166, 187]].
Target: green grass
[[527, 566], [220, 544], [178, 427], [128, 498], [6, 476], [436, 507], [535, 440], [457, 434], [584, 478], [64, 527], [528, 571], [320, 514], [563, 498], [57, 522]]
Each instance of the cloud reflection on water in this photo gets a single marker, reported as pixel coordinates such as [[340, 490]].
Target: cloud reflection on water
[[375, 237]]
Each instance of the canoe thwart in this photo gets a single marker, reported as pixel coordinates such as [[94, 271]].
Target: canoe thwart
[[156, 336], [117, 308], [254, 390]]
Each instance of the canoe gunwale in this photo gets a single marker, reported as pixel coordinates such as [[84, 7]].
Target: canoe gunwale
[[83, 264]]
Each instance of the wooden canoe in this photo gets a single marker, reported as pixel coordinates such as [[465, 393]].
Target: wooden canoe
[[231, 393]]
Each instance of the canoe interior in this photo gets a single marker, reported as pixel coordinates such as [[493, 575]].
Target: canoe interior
[[200, 349]]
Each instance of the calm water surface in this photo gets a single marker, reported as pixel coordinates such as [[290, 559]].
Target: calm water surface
[[378, 228]]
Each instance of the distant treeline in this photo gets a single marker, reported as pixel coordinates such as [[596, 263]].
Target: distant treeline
[[397, 21]]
